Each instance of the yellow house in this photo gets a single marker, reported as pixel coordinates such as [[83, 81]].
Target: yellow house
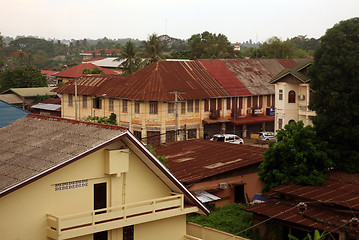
[[194, 99], [292, 93], [66, 179]]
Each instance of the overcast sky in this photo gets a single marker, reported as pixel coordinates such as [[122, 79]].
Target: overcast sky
[[239, 20]]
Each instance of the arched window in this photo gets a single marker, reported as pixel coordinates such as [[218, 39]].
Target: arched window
[[291, 97], [291, 121]]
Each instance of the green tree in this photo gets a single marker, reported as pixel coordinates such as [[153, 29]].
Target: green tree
[[297, 157], [276, 48], [162, 158], [95, 70], [230, 218], [22, 77], [316, 236], [132, 62], [210, 46], [335, 97], [153, 49]]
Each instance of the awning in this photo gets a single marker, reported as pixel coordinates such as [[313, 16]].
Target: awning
[[204, 196], [252, 120]]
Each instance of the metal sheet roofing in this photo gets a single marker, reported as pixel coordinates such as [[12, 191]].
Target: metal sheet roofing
[[10, 113], [76, 71], [47, 106], [32, 92], [328, 206], [193, 160]]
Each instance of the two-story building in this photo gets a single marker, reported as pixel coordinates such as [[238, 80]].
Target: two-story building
[[192, 98], [66, 179], [292, 93]]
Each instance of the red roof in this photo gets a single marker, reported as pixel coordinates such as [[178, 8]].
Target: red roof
[[193, 160], [76, 71], [48, 73]]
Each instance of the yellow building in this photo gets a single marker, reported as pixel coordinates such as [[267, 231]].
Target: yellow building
[[197, 98], [292, 93], [65, 179]]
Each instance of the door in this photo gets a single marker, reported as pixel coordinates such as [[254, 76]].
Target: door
[[100, 201]]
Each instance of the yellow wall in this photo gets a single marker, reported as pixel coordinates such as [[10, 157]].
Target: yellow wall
[[23, 212]]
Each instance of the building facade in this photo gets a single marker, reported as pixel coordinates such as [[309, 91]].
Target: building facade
[[171, 100], [292, 93], [89, 181]]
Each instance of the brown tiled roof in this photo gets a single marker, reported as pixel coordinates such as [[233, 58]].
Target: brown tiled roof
[[193, 160], [76, 71]]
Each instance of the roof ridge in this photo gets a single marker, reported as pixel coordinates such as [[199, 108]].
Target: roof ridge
[[47, 117]]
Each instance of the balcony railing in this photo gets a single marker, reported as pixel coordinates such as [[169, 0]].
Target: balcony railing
[[80, 224]]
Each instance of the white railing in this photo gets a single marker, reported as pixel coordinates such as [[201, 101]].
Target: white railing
[[63, 227]]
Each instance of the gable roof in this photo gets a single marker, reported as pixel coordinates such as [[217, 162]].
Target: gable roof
[[31, 92], [294, 71], [76, 71], [193, 160], [10, 113], [25, 156]]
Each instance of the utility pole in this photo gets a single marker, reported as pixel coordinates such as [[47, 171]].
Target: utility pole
[[176, 112], [76, 99]]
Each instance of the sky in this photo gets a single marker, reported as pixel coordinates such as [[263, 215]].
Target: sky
[[239, 20]]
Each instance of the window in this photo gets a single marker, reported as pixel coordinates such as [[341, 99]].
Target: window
[[84, 101], [291, 97], [183, 107], [97, 103], [190, 106], [71, 99], [128, 233], [228, 103], [153, 107], [268, 100], [196, 106], [137, 107], [171, 107], [124, 105], [170, 136], [260, 101], [280, 123], [138, 134], [255, 101], [249, 101], [273, 100], [110, 104], [219, 104], [192, 133], [280, 94], [206, 105]]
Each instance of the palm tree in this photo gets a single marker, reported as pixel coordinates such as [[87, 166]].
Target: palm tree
[[153, 48], [132, 63]]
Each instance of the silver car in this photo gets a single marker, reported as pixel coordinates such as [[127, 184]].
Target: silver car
[[265, 136]]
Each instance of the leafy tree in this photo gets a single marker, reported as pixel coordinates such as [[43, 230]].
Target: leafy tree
[[111, 120], [275, 48], [153, 49], [231, 218], [132, 62], [22, 77], [297, 157], [316, 236], [95, 70], [335, 97], [162, 158], [208, 46]]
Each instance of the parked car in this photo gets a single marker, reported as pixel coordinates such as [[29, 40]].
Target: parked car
[[230, 138], [265, 136]]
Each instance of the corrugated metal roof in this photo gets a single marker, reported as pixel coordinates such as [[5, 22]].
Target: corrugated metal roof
[[76, 71], [110, 62], [328, 206], [10, 113], [32, 92], [47, 106], [194, 160]]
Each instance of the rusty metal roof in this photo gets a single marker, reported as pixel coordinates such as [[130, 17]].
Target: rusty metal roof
[[193, 160], [194, 79], [76, 71], [328, 206]]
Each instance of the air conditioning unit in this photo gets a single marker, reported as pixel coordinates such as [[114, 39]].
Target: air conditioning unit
[[223, 185], [301, 97]]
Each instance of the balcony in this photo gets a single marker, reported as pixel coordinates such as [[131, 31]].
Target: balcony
[[304, 110], [80, 224]]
